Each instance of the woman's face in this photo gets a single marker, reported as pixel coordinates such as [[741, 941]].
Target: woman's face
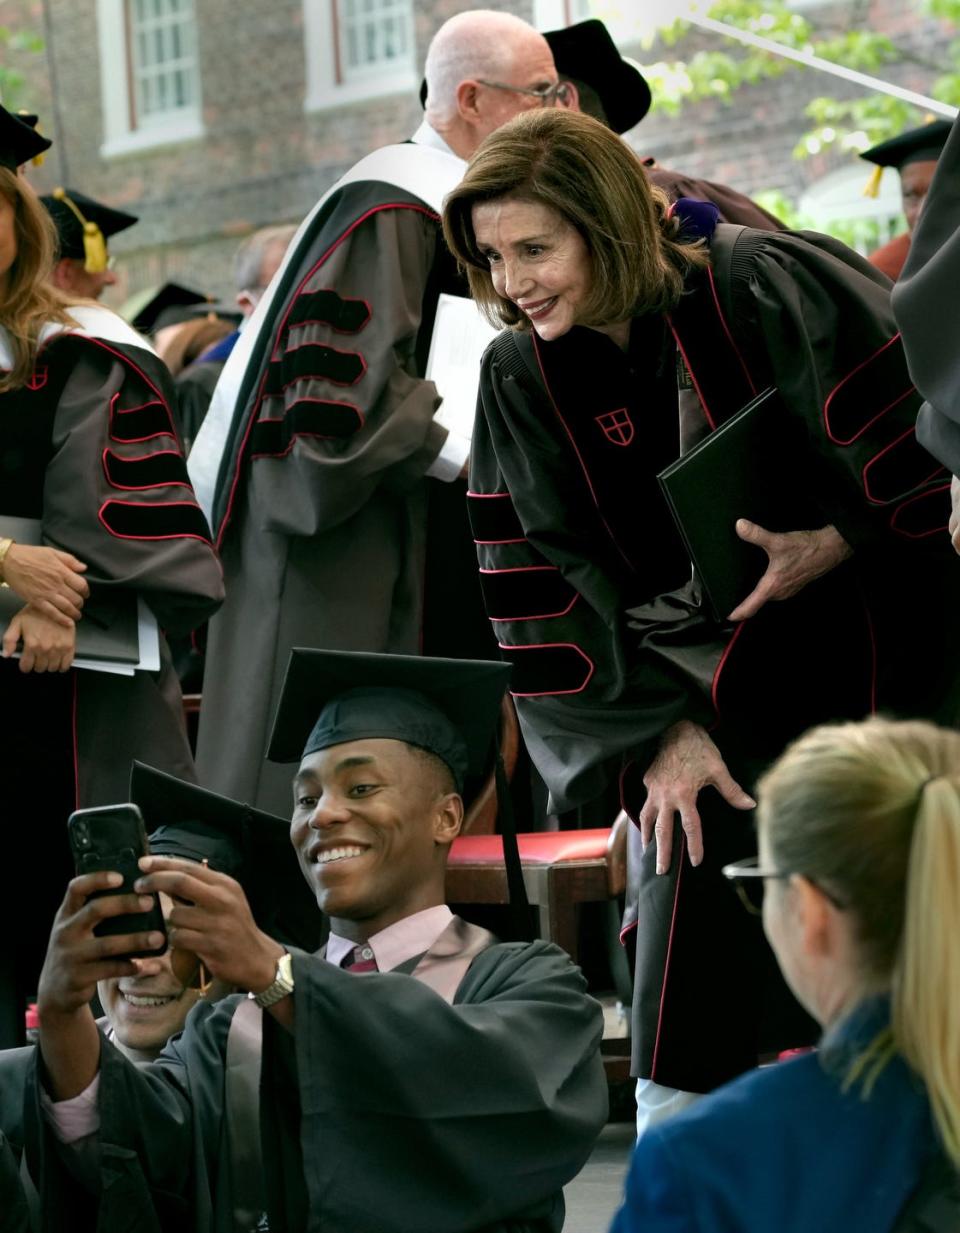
[[8, 237], [537, 259]]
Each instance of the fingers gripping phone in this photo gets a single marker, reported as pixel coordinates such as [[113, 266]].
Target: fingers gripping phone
[[113, 837]]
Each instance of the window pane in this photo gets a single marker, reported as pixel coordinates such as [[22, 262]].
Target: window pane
[[164, 56]]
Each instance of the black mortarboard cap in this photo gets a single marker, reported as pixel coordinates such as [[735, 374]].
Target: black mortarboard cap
[[254, 847], [169, 305], [449, 707], [19, 142], [917, 145], [587, 53], [72, 224]]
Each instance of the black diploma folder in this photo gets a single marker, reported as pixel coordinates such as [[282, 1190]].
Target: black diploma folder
[[741, 470]]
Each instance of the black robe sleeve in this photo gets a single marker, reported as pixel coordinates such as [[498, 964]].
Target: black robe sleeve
[[116, 491], [341, 406], [925, 302]]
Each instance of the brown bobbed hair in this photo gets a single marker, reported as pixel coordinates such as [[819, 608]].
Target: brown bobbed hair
[[587, 174], [28, 300]]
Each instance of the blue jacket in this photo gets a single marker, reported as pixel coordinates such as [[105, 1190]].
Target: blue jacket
[[786, 1150]]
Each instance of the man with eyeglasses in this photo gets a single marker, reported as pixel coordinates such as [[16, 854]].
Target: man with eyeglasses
[[336, 490]]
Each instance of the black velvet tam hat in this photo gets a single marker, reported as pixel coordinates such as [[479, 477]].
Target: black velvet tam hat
[[169, 305], [19, 142], [251, 846], [586, 52], [77, 217], [449, 707], [917, 145]]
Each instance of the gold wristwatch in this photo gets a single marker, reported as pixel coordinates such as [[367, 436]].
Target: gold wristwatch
[[281, 987]]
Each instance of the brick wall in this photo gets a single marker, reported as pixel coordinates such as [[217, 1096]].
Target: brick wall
[[263, 159]]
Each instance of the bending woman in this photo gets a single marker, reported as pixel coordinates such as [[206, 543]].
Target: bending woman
[[89, 455], [636, 329], [859, 857]]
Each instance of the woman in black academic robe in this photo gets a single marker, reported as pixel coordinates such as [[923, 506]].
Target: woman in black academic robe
[[90, 458], [639, 329]]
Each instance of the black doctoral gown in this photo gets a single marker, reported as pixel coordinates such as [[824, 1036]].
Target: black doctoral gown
[[390, 1109], [591, 597], [322, 499], [89, 449]]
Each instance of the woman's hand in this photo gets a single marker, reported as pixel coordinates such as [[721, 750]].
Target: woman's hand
[[954, 525], [796, 558], [51, 580], [686, 762], [47, 645]]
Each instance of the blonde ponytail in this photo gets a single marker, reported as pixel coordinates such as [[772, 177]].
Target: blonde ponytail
[[926, 980], [871, 812]]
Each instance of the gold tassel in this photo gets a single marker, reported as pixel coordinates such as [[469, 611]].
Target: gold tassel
[[95, 256], [872, 187]]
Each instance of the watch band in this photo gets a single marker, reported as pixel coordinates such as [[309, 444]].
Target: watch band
[[282, 984]]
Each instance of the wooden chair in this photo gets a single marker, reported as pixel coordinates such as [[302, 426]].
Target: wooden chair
[[561, 869]]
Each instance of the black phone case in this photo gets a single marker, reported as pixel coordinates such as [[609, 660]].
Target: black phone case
[[113, 837]]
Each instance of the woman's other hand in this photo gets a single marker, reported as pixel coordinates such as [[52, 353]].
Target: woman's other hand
[[954, 524], [50, 580], [795, 558], [686, 762], [48, 646]]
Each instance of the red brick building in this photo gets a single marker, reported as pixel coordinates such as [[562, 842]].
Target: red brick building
[[209, 118]]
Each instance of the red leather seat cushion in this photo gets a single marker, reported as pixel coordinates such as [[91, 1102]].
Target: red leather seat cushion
[[536, 847]]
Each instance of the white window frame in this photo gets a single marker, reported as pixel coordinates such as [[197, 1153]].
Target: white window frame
[[120, 136], [626, 22], [323, 88]]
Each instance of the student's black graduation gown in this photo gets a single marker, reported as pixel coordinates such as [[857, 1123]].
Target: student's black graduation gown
[[588, 587], [414, 1115]]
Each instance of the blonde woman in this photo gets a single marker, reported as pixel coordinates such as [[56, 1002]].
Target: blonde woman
[[91, 469], [858, 875]]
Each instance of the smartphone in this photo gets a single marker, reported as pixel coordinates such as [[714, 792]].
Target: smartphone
[[113, 837]]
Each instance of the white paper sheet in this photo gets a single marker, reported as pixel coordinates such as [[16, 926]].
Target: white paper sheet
[[460, 337]]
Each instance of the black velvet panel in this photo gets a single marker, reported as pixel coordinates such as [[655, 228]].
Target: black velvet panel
[[347, 316], [167, 520], [899, 469], [152, 471], [541, 670], [522, 594], [334, 420], [317, 361], [871, 390], [924, 515], [493, 520], [140, 424]]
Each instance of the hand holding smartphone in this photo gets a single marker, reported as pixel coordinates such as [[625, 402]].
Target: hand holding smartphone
[[113, 837]]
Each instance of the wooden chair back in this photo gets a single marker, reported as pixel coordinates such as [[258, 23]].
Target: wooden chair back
[[481, 816]]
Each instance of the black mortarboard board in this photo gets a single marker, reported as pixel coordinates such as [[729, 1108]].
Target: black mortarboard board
[[169, 305], [19, 142], [84, 225], [587, 53], [249, 845], [449, 707], [916, 145]]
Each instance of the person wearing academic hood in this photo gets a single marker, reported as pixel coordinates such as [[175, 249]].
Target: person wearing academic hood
[[417, 1073], [95, 505]]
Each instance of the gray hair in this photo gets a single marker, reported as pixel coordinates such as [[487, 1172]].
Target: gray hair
[[249, 259], [475, 44]]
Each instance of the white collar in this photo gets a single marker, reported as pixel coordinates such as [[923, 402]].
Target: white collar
[[426, 135]]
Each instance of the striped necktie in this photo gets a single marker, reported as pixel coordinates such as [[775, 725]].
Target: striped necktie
[[360, 959]]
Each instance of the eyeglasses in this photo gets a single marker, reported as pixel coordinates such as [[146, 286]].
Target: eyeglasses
[[748, 880], [547, 96]]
